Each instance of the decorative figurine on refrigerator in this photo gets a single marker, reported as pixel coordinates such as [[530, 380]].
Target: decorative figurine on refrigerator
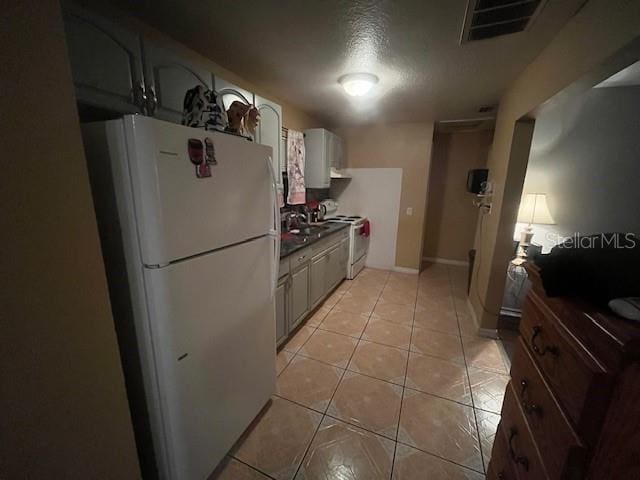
[[203, 108]]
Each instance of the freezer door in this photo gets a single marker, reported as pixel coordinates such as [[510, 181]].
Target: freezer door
[[178, 212], [213, 331]]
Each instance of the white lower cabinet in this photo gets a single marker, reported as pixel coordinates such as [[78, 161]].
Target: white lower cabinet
[[305, 281], [281, 310], [299, 294], [318, 275]]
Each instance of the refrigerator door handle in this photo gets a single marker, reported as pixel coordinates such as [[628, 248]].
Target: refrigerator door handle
[[275, 231]]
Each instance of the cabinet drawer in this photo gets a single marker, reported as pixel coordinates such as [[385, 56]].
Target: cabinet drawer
[[561, 449], [574, 376], [300, 258], [329, 242], [500, 467], [521, 448]]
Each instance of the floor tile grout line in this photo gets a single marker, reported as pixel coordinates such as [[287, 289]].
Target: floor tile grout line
[[395, 440], [404, 383], [357, 426], [304, 324], [253, 468], [440, 457], [325, 412], [442, 398], [464, 356], [360, 427], [455, 308]]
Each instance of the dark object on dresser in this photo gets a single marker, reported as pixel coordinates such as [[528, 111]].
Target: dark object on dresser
[[596, 267], [572, 407]]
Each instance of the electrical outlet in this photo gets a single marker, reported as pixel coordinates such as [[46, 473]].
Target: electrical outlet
[[409, 211]]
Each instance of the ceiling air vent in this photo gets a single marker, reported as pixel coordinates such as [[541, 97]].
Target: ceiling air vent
[[493, 18]]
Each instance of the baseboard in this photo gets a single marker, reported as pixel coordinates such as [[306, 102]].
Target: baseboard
[[446, 261], [488, 333], [482, 332], [377, 266], [472, 312], [413, 271]]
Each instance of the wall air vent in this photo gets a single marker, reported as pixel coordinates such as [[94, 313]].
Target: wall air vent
[[493, 18], [465, 125]]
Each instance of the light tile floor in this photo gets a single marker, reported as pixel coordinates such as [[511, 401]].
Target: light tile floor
[[386, 380]]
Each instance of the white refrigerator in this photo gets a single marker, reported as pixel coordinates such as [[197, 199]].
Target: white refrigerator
[[190, 237]]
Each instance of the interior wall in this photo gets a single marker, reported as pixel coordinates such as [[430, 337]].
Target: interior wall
[[606, 26], [293, 117], [398, 145], [584, 156], [450, 224], [373, 193], [62, 395]]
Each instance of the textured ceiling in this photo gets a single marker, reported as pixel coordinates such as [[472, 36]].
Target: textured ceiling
[[298, 49]]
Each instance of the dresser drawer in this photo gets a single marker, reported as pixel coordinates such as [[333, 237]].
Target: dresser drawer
[[500, 467], [521, 448], [573, 375], [562, 451]]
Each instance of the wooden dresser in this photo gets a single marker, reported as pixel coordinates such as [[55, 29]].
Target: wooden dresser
[[572, 407]]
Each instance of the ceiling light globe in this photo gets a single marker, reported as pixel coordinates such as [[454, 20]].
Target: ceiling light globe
[[358, 84]]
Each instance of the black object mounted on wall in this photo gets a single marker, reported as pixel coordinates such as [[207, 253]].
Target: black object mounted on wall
[[475, 178]]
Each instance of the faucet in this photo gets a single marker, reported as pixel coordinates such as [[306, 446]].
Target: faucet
[[294, 218]]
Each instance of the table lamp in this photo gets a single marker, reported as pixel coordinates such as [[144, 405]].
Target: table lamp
[[533, 210]]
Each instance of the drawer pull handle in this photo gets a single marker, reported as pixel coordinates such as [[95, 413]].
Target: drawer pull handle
[[529, 408], [518, 459], [552, 349], [501, 475]]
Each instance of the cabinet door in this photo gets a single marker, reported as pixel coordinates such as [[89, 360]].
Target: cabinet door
[[231, 93], [331, 269], [343, 260], [168, 77], [106, 61], [316, 164], [318, 279], [338, 153], [299, 293], [329, 155], [281, 311], [269, 132]]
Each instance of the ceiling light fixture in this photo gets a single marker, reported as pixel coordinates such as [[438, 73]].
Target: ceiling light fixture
[[358, 84]]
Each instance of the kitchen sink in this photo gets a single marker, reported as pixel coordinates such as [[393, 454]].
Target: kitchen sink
[[312, 229]]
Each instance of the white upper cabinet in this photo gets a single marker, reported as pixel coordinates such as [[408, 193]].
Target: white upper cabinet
[[269, 132], [338, 160], [106, 61], [231, 93], [168, 76], [324, 150]]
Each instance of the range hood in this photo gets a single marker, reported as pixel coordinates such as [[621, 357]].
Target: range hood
[[339, 173]]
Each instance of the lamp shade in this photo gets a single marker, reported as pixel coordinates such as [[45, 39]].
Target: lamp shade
[[533, 209]]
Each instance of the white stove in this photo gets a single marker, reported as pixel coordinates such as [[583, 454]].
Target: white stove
[[358, 242]]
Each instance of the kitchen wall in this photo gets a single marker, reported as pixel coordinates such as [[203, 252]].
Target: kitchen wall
[[293, 117], [398, 145], [450, 224], [373, 193], [584, 156], [606, 26], [62, 395]]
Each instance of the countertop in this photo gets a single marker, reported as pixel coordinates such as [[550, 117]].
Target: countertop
[[290, 243]]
